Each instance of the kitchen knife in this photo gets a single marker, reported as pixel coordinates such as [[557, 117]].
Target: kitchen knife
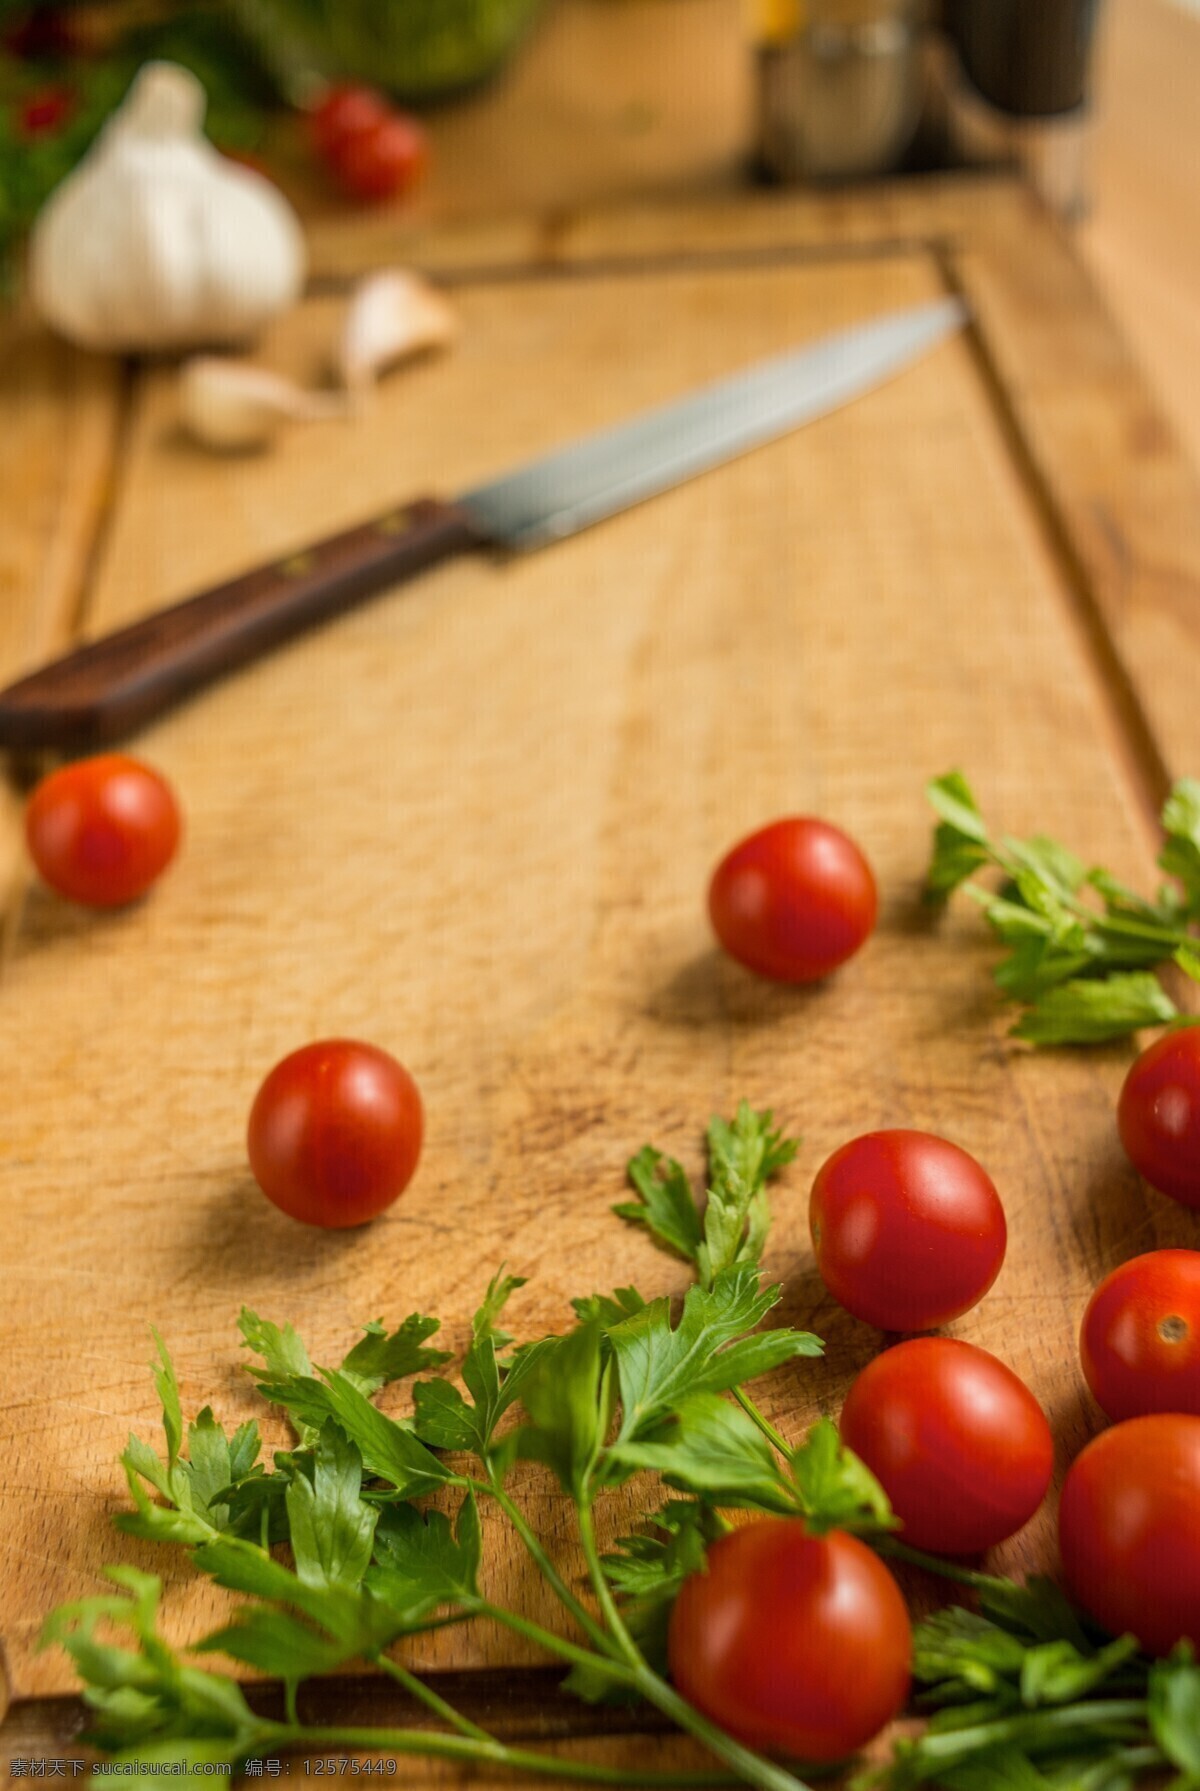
[[109, 687]]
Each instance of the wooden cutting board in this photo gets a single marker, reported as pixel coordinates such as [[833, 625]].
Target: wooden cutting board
[[474, 823]]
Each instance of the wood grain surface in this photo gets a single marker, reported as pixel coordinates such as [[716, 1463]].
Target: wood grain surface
[[473, 822], [1145, 179], [61, 414]]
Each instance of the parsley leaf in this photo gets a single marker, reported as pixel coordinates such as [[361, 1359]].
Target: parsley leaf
[[145, 1702], [1037, 1611], [742, 1159], [837, 1491], [707, 1352], [168, 1392], [666, 1205], [608, 1309], [1081, 946], [420, 1563], [711, 1448], [1174, 1705], [390, 1450], [287, 1377], [568, 1394], [280, 1347], [657, 1563], [960, 841], [1088, 1013], [493, 1385], [276, 1642], [1180, 855], [444, 1419], [378, 1358], [350, 1617], [195, 1485], [330, 1525], [1023, 1698], [730, 1226]]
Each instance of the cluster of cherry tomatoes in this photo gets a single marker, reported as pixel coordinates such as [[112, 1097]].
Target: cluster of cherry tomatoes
[[908, 1233], [372, 150], [803, 1643]]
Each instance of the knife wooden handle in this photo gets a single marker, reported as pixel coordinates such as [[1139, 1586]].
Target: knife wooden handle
[[104, 690]]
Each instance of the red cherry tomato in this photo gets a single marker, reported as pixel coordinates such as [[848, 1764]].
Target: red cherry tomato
[[383, 162], [1129, 1530], [959, 1444], [46, 112], [792, 1642], [1158, 1115], [793, 901], [101, 830], [344, 111], [1140, 1342], [907, 1229], [335, 1133]]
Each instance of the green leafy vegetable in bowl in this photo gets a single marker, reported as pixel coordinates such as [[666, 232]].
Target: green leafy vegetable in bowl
[[422, 50]]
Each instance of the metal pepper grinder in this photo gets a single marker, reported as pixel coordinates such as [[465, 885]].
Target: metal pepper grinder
[[1018, 89], [839, 86]]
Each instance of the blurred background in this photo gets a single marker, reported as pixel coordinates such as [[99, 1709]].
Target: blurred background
[[785, 89], [428, 111]]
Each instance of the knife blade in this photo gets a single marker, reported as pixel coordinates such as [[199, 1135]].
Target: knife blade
[[107, 688]]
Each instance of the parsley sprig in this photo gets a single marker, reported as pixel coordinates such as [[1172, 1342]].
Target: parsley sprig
[[367, 1532], [1025, 1697], [1082, 948]]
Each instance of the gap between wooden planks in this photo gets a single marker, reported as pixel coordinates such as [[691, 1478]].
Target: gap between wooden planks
[[1111, 497]]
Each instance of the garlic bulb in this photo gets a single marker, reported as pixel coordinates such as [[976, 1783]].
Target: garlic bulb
[[391, 316], [231, 405], [155, 241]]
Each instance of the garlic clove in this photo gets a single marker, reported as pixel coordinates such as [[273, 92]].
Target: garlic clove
[[391, 316], [154, 241], [165, 104], [231, 405]]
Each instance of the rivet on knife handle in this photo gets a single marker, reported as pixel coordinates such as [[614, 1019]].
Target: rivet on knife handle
[[103, 691]]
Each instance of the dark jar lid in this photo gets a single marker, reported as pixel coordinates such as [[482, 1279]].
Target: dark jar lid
[[1027, 57]]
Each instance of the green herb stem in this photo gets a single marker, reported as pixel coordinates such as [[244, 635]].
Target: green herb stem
[[946, 1570], [417, 1688], [1137, 1759], [461, 1747], [776, 1440], [604, 1597], [750, 1767], [537, 1553], [618, 1671], [1038, 1727]]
